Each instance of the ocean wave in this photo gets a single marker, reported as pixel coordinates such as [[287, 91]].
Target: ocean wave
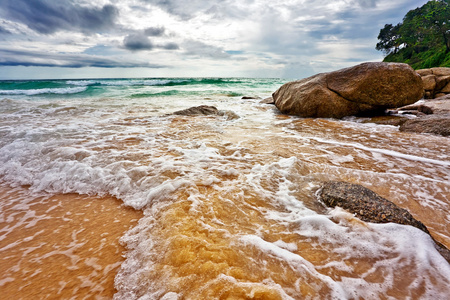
[[31, 92], [156, 82], [127, 82]]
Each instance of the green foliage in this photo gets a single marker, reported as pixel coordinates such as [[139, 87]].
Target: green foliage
[[434, 57], [422, 39], [389, 39]]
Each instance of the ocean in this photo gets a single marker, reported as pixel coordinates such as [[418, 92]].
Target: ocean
[[104, 194]]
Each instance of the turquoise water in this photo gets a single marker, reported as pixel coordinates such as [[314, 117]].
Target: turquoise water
[[137, 87]]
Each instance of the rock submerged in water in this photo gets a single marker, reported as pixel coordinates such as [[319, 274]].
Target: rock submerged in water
[[206, 110], [360, 89], [366, 204], [370, 207]]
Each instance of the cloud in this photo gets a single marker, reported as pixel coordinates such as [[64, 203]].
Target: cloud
[[284, 37], [183, 9], [46, 59], [169, 46], [202, 50], [219, 9], [367, 3], [4, 31], [102, 50], [155, 31], [137, 41], [48, 16]]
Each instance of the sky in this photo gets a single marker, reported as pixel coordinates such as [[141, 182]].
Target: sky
[[42, 39]]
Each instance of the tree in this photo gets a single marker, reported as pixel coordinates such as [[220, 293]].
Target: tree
[[437, 20], [390, 39], [423, 38]]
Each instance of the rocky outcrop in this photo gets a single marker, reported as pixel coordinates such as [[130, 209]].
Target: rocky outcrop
[[436, 82], [433, 116], [206, 110], [363, 88], [439, 125], [370, 207]]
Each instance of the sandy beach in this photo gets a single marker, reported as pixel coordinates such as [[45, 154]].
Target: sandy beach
[[61, 246]]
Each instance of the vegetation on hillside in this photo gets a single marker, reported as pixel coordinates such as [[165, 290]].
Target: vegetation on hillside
[[422, 40]]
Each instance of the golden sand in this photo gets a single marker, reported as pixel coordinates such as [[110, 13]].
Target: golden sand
[[61, 247]]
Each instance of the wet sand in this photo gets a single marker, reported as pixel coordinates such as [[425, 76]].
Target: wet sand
[[60, 247]]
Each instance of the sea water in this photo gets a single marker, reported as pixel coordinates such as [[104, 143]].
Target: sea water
[[207, 207]]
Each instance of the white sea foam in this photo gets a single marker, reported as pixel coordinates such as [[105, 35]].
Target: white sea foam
[[118, 147], [125, 82], [31, 92], [374, 150]]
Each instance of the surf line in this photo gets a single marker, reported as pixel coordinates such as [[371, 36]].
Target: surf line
[[376, 150]]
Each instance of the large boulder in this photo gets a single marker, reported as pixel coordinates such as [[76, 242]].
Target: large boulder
[[359, 89]]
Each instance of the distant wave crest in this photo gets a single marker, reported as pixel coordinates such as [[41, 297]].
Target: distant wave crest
[[127, 82], [30, 92], [152, 82]]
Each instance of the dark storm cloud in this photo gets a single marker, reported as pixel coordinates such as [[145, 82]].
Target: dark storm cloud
[[137, 41], [155, 31], [46, 59], [48, 16]]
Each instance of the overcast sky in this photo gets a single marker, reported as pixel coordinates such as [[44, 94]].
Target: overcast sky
[[218, 38]]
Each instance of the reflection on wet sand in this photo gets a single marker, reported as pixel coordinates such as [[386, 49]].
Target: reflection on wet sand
[[60, 247]]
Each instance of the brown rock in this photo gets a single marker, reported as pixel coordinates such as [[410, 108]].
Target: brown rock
[[434, 124], [310, 97], [268, 100], [382, 84], [442, 81], [363, 88], [198, 110], [419, 107], [366, 204], [441, 71], [370, 207], [445, 89], [387, 120], [439, 105], [206, 110], [429, 82], [438, 95], [424, 72]]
